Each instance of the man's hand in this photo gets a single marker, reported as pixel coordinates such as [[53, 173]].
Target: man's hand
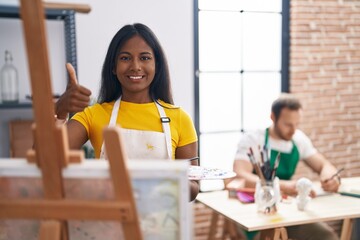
[[74, 99], [331, 185]]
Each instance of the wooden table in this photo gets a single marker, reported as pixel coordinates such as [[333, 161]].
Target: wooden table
[[320, 209]]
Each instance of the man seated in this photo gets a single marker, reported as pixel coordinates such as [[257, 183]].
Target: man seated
[[283, 138]]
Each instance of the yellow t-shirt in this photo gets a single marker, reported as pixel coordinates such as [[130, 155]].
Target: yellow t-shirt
[[137, 117]]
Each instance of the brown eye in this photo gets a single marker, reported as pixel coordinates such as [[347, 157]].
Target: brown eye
[[124, 58], [145, 58]]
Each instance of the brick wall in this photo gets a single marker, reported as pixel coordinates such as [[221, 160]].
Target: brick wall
[[325, 75]]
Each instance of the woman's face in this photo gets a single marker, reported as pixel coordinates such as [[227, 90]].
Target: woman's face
[[135, 69]]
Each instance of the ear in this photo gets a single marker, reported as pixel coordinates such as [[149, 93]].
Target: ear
[[272, 116], [114, 71]]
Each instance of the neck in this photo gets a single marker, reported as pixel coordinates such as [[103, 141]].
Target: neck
[[272, 132], [136, 98]]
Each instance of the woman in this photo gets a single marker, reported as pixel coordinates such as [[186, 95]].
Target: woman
[[135, 93]]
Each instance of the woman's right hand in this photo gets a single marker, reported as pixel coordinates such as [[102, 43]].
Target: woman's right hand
[[74, 99]]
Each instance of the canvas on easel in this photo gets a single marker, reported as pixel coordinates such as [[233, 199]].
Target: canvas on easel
[[160, 189]]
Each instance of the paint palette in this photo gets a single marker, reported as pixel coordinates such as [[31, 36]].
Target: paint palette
[[205, 173]]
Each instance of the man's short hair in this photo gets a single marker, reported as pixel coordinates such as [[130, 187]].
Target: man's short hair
[[285, 101]]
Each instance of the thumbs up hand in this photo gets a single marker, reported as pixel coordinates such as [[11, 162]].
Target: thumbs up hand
[[74, 99]]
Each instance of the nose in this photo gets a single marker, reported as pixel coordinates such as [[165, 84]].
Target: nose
[[136, 65]]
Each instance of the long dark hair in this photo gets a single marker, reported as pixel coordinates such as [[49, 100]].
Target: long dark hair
[[160, 87]]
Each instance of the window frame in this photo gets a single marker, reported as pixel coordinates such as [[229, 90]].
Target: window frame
[[285, 54]]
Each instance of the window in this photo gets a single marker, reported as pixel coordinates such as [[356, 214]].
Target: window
[[241, 62]]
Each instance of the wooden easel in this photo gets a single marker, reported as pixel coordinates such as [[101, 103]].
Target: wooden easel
[[52, 154]]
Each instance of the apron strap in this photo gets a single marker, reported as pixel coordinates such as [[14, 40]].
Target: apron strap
[[288, 161], [112, 123], [165, 121], [114, 113], [266, 144]]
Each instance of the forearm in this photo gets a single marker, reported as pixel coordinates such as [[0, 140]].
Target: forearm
[[244, 170], [250, 178], [288, 187], [327, 171], [194, 189]]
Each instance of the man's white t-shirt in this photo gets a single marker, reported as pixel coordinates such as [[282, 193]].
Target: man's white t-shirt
[[256, 140]]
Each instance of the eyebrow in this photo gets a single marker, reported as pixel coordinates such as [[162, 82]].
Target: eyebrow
[[140, 53]]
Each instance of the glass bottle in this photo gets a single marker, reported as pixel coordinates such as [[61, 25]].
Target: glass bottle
[[9, 84]]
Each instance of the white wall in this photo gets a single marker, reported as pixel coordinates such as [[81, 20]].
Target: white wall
[[172, 22]]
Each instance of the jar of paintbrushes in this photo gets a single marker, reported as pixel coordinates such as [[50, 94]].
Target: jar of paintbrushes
[[267, 191]]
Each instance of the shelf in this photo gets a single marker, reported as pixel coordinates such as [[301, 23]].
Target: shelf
[[14, 12], [15, 105], [80, 8], [53, 12]]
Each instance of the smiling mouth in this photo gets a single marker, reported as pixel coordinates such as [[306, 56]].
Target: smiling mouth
[[135, 77]]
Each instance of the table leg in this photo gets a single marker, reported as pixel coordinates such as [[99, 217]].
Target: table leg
[[232, 230], [225, 230], [213, 225], [284, 234], [346, 229], [274, 234]]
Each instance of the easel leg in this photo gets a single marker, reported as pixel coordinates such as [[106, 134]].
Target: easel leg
[[347, 229], [50, 230], [64, 230]]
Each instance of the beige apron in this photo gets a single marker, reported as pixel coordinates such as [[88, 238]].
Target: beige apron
[[144, 144]]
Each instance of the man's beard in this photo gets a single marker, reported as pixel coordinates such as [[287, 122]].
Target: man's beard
[[281, 135]]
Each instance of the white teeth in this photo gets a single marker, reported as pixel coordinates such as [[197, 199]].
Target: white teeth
[[135, 77]]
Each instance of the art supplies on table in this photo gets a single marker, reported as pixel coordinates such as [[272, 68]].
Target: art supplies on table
[[267, 191], [337, 174], [237, 190], [353, 191], [246, 195], [206, 173], [263, 167]]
